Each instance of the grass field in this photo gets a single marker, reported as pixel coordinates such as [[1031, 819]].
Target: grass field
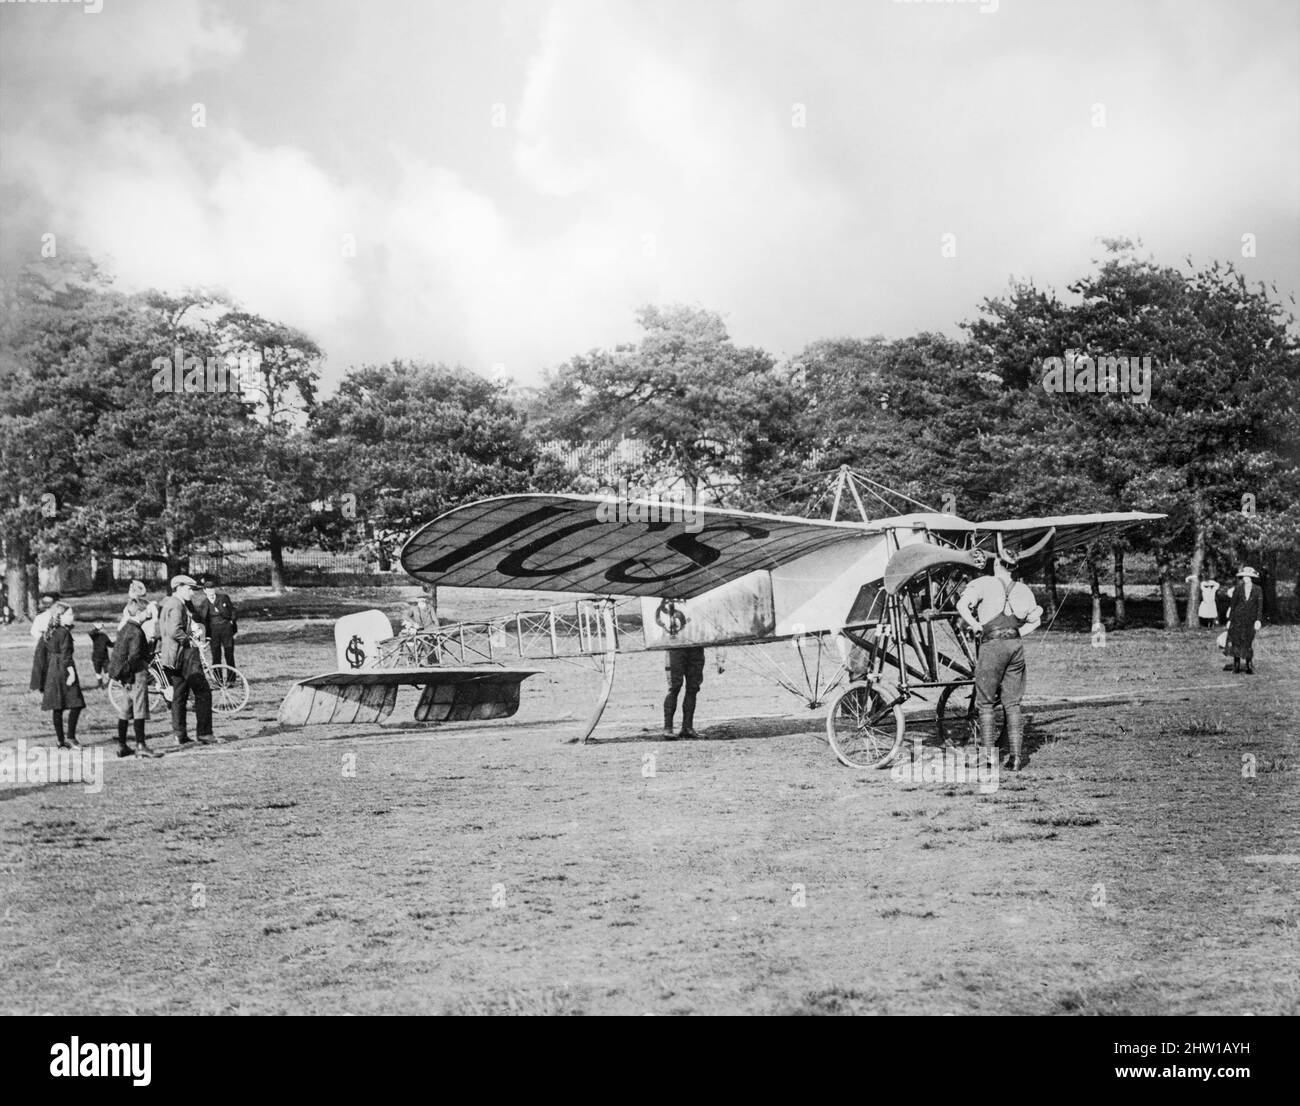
[[1139, 865]]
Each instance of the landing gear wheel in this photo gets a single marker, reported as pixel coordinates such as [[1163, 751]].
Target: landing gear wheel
[[964, 724], [864, 730]]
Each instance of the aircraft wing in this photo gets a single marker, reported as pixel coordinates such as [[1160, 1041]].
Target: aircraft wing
[[589, 545], [1072, 531]]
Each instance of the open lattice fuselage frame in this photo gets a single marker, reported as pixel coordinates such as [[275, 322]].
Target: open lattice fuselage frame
[[914, 633]]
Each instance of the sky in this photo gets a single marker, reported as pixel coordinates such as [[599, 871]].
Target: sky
[[501, 183]]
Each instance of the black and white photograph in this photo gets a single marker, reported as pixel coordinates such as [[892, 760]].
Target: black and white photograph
[[649, 507]]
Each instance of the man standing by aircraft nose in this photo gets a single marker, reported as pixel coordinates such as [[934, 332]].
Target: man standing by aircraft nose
[[1002, 611], [684, 665]]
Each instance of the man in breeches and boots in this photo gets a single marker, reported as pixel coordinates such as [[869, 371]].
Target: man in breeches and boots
[[1001, 610], [684, 666]]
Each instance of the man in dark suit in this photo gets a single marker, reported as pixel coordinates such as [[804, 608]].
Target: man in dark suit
[[216, 612], [1245, 608]]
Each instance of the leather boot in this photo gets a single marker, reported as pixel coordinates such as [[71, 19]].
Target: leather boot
[[988, 736], [1015, 740]]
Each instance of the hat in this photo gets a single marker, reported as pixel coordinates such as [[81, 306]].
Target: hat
[[1246, 570], [183, 582]]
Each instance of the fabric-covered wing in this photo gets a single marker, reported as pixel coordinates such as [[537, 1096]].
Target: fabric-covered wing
[[589, 545], [1072, 531]]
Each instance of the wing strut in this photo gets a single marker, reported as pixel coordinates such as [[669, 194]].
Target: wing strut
[[608, 661]]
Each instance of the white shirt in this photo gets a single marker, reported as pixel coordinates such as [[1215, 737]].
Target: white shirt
[[984, 599], [41, 623]]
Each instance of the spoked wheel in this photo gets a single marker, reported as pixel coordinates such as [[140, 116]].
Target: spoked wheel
[[864, 730], [962, 725], [117, 693], [229, 689], [159, 688]]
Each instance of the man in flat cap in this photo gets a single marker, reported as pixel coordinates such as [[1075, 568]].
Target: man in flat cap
[[1001, 610], [1245, 606], [182, 663]]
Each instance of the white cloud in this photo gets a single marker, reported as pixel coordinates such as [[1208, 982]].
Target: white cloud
[[650, 156], [119, 49]]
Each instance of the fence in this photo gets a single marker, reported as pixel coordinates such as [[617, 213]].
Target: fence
[[252, 567]]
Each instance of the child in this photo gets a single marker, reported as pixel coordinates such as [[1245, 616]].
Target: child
[[130, 667], [60, 684], [100, 644], [137, 590]]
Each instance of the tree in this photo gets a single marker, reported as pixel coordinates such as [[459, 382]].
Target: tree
[[1222, 397], [63, 333], [700, 403], [413, 440], [279, 372]]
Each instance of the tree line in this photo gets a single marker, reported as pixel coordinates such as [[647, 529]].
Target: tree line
[[117, 438]]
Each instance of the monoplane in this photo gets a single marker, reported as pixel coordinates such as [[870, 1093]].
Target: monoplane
[[869, 606]]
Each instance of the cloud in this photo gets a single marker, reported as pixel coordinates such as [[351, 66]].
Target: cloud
[[650, 154], [121, 48]]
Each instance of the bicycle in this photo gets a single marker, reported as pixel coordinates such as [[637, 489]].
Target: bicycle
[[229, 685]]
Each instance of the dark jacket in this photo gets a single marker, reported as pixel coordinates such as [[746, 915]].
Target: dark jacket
[[38, 665], [130, 654], [59, 694], [217, 615], [200, 608], [174, 622], [100, 644]]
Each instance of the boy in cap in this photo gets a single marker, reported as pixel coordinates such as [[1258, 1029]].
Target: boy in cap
[[129, 666], [1245, 605]]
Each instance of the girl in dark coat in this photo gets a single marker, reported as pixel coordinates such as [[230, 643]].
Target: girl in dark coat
[[62, 686], [1244, 611]]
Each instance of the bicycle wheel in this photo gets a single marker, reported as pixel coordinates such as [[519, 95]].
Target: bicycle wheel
[[229, 689], [116, 694], [159, 687], [864, 730]]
